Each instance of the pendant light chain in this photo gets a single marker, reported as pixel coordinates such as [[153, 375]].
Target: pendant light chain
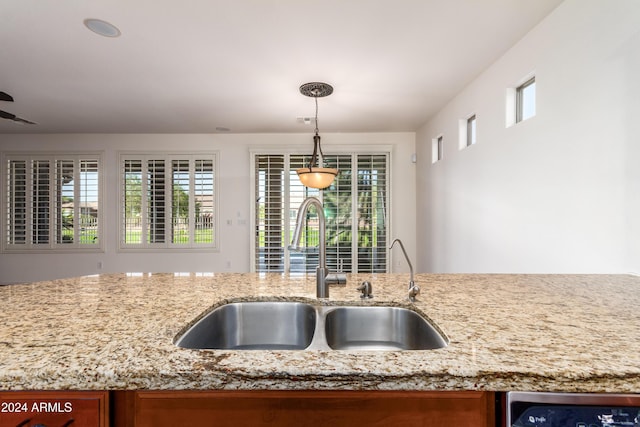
[[316, 98], [317, 148]]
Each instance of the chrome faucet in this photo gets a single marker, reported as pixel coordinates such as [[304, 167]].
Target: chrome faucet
[[323, 277], [414, 289]]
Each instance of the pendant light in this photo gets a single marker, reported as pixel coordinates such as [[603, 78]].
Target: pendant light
[[315, 175]]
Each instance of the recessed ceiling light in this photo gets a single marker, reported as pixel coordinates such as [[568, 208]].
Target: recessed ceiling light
[[101, 27]]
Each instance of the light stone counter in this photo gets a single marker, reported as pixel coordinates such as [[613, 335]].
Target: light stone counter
[[507, 332]]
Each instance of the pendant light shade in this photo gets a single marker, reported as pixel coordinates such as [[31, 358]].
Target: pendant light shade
[[315, 175]]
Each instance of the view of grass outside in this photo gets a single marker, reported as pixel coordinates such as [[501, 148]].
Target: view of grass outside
[[204, 235], [87, 234]]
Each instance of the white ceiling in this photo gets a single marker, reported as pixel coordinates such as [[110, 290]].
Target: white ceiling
[[192, 66]]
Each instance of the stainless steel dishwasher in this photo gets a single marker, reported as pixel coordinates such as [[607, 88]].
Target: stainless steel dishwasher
[[531, 409]]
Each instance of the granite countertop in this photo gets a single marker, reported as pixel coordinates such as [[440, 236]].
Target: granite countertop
[[508, 332]]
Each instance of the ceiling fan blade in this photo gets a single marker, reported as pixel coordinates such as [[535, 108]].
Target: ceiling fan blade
[[5, 115], [6, 97], [28, 122], [9, 116], [25, 121]]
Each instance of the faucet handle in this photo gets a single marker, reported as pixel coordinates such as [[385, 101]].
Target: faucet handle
[[366, 290], [414, 291]]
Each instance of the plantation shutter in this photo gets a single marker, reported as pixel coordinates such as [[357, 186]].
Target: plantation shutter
[[168, 201], [270, 209], [204, 201], [372, 213], [354, 207], [52, 203]]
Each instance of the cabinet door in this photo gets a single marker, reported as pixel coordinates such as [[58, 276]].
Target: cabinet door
[[300, 408], [54, 408]]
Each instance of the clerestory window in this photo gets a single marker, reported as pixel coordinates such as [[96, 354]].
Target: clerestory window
[[437, 149], [471, 130], [526, 100]]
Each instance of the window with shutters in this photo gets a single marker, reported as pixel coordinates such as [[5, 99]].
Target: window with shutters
[[355, 209], [52, 202], [168, 201]]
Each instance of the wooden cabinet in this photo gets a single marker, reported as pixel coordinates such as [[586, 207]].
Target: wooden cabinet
[[54, 408], [299, 408], [247, 408]]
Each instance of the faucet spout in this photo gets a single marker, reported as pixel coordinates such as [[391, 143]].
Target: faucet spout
[[323, 278], [414, 289]]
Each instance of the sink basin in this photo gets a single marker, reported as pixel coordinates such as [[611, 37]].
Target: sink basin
[[380, 328], [282, 325], [253, 326]]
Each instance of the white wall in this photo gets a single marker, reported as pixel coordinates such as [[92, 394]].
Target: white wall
[[235, 200], [559, 192]]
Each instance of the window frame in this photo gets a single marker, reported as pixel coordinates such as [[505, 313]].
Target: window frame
[[520, 98], [471, 130], [336, 151], [467, 131], [169, 158], [54, 193], [437, 149], [513, 99]]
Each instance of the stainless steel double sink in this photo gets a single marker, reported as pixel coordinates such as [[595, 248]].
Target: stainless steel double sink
[[286, 325]]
